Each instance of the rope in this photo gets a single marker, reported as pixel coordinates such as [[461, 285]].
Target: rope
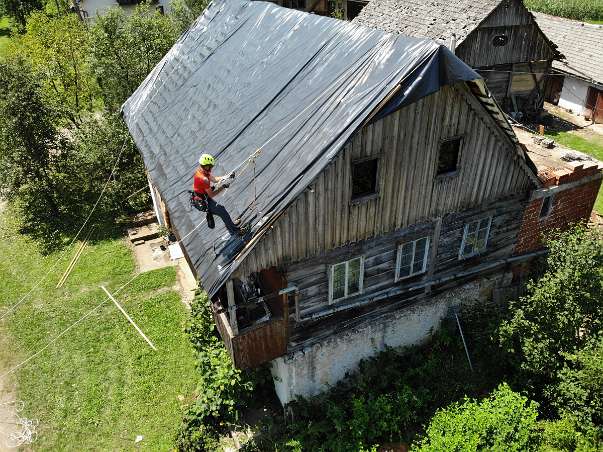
[[27, 428], [66, 330], [40, 281]]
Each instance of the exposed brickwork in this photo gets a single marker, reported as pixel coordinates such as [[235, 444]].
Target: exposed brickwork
[[569, 206]]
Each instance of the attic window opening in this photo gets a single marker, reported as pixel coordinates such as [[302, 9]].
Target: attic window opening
[[449, 156], [500, 40], [364, 178]]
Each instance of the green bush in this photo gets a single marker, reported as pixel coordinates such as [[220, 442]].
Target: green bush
[[572, 9], [222, 389], [506, 421]]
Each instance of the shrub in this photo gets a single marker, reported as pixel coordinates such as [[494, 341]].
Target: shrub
[[222, 389], [504, 421]]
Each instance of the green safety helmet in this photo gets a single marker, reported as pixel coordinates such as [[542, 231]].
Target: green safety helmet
[[206, 159]]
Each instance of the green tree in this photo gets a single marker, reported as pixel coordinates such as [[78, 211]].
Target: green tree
[[126, 48], [506, 421], [184, 12], [561, 312], [28, 137], [18, 10], [580, 389], [58, 48]]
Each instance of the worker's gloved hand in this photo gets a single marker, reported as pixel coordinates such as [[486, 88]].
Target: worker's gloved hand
[[231, 175], [225, 185]]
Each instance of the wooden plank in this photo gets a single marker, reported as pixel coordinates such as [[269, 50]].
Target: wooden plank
[[232, 307]]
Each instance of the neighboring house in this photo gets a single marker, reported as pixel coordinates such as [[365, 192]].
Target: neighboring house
[[579, 88], [382, 184], [500, 39]]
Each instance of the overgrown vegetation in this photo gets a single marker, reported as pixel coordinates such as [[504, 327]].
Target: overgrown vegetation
[[61, 86], [222, 390], [572, 9], [546, 346], [100, 385]]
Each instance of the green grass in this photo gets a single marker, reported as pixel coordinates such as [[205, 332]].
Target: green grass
[[592, 146], [4, 32], [595, 22], [572, 9], [100, 385]]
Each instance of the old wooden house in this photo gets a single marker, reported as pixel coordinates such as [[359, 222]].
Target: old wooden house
[[500, 39], [578, 83], [382, 184]]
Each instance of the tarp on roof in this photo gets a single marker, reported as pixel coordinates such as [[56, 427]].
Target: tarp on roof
[[251, 75]]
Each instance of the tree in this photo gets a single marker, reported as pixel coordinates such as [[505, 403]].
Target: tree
[[58, 48], [580, 389], [184, 12], [126, 48], [18, 10], [561, 312], [28, 136], [504, 421]]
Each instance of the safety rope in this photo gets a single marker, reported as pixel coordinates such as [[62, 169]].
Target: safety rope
[[64, 253]]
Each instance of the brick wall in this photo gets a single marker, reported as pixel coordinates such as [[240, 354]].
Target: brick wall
[[568, 207]]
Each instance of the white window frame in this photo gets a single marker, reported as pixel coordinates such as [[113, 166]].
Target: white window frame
[[347, 266], [479, 222], [412, 266]]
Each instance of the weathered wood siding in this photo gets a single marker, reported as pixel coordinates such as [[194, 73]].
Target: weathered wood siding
[[407, 145], [312, 276], [526, 40]]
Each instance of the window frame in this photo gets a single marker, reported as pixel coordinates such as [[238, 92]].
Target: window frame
[[369, 196], [397, 276], [479, 221], [550, 207], [454, 172], [347, 266]]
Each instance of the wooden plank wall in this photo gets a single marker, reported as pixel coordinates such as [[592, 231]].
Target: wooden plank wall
[[526, 40], [407, 144], [312, 276]]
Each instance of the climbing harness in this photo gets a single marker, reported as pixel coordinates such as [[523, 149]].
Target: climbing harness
[[199, 202]]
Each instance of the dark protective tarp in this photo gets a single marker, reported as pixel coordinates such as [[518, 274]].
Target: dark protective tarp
[[251, 75]]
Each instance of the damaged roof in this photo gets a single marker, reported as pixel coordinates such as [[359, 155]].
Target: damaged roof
[[435, 19], [579, 42], [296, 86]]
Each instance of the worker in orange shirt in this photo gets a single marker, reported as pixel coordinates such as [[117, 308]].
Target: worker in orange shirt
[[204, 193]]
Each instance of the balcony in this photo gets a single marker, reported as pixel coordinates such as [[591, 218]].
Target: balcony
[[254, 329]]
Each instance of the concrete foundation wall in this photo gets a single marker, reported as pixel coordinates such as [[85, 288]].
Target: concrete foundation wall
[[311, 371], [573, 95]]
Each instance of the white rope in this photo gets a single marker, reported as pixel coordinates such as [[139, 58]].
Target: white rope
[[63, 254], [65, 331], [26, 428]]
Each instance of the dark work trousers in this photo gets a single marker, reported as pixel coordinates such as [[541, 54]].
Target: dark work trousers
[[220, 210]]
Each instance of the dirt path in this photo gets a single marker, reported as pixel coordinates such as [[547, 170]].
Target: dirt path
[[8, 392]]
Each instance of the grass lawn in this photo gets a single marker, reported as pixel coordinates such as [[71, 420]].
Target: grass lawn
[[4, 32], [100, 385], [591, 145]]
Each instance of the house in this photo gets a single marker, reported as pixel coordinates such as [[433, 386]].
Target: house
[[382, 184], [500, 39], [579, 88]]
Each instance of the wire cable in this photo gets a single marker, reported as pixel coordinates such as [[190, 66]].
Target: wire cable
[[41, 280], [66, 330]]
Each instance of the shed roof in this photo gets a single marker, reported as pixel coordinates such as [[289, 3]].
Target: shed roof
[[435, 19], [251, 75], [579, 42]]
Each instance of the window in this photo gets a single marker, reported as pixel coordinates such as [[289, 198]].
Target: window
[[448, 156], [364, 178], [295, 4], [475, 238], [547, 206], [346, 279], [500, 40], [412, 258]]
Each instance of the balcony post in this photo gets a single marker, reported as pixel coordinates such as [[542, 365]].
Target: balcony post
[[232, 307]]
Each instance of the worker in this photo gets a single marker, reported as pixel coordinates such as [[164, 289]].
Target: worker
[[205, 192]]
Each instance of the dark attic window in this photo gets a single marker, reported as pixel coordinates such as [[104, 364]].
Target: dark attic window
[[500, 40], [364, 178], [449, 156], [547, 206]]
